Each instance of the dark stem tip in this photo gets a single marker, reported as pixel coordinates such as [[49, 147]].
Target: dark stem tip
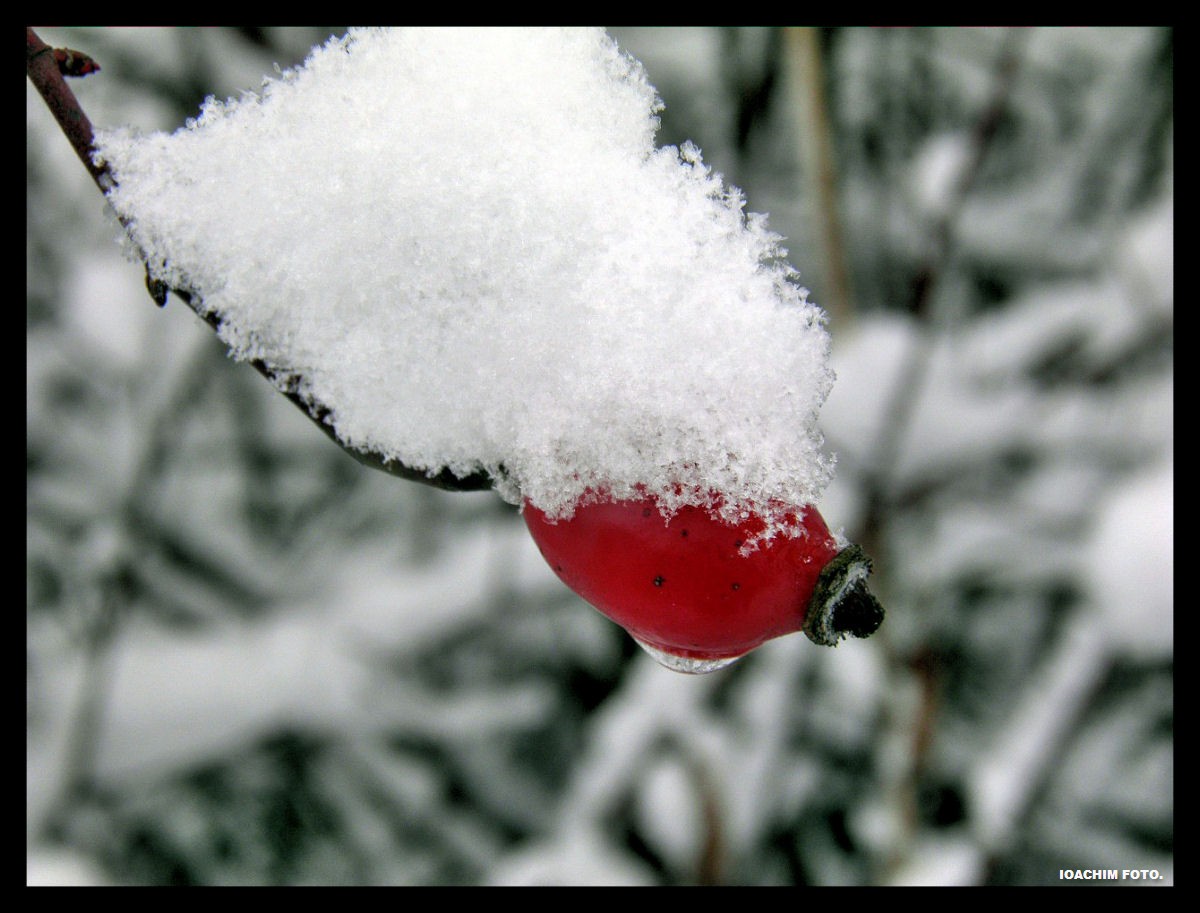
[[841, 604]]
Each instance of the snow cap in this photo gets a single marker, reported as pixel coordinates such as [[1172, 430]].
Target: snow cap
[[465, 245]]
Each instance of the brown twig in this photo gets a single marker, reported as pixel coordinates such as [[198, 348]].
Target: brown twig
[[806, 66], [906, 391], [902, 403], [44, 67]]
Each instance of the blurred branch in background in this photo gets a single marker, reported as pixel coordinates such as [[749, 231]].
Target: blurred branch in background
[[805, 66], [906, 390], [314, 675], [920, 720], [1005, 469]]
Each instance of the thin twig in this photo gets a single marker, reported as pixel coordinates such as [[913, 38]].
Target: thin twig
[[902, 403], [905, 393], [82, 744], [806, 67], [43, 70]]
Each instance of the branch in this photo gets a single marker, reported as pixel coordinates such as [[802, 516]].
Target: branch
[[805, 63], [42, 64], [880, 499], [924, 284], [45, 67]]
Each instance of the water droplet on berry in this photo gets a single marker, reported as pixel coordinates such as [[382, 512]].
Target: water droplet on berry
[[689, 665]]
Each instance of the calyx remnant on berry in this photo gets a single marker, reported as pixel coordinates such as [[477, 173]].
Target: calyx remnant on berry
[[688, 591], [841, 604]]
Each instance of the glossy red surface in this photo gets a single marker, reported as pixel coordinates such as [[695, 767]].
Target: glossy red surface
[[684, 585]]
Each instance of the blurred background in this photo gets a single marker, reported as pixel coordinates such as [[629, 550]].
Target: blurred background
[[251, 660]]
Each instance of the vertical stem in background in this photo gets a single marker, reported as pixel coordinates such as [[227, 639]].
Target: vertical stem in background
[[902, 403], [919, 721], [75, 777], [804, 64], [917, 678], [115, 582]]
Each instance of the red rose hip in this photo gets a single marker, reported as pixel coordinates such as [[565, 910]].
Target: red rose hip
[[689, 592]]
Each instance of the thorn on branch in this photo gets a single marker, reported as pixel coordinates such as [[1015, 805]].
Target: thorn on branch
[[158, 289]]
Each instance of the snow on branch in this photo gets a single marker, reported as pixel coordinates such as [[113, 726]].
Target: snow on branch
[[461, 250]]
